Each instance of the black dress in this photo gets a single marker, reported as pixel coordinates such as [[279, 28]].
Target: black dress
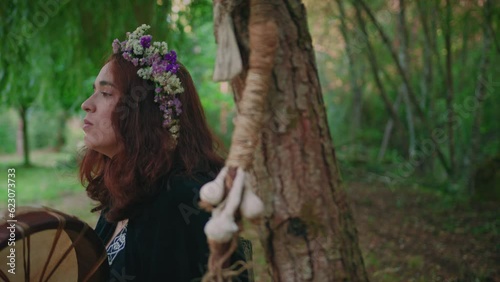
[[165, 241]]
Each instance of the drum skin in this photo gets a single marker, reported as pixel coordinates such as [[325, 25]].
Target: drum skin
[[51, 246]]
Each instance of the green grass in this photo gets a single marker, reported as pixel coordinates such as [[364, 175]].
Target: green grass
[[52, 181], [39, 183]]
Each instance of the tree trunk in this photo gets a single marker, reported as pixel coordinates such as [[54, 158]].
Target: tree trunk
[[428, 99], [434, 28], [479, 97], [464, 52], [354, 75], [308, 232], [23, 130], [60, 138], [450, 93], [388, 132], [403, 59]]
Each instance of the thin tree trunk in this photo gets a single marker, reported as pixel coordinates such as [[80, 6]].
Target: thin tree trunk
[[488, 7], [23, 128], [465, 49], [308, 232], [60, 138], [427, 95], [411, 94], [435, 15], [354, 75], [449, 91], [479, 97], [387, 132], [403, 59], [375, 71], [19, 137]]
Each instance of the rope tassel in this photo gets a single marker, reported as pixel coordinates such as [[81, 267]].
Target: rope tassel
[[222, 226]]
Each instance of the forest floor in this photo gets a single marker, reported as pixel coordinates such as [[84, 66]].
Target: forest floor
[[408, 234]]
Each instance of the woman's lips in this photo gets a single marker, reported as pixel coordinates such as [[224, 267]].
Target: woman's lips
[[86, 124]]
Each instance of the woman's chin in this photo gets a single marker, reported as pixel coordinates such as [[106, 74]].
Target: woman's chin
[[91, 143]]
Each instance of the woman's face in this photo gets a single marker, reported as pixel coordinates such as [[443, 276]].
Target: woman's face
[[99, 133]]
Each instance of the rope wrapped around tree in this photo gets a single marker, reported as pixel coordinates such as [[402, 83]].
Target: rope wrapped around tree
[[227, 196]]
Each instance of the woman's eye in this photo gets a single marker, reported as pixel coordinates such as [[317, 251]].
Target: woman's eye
[[105, 94]]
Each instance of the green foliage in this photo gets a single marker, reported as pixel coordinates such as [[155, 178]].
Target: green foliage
[[44, 181], [361, 146]]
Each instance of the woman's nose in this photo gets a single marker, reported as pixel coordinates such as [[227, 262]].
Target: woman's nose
[[87, 105]]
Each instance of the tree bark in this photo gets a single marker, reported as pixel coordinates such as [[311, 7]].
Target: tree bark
[[308, 232]]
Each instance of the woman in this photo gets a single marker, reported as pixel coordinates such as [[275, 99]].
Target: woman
[[148, 152]]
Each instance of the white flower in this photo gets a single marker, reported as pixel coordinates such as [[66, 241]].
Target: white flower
[[157, 45], [145, 72], [164, 48], [138, 49]]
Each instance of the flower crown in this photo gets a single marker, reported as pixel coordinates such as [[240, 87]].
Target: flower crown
[[158, 65]]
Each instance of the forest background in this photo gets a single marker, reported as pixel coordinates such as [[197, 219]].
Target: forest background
[[410, 88]]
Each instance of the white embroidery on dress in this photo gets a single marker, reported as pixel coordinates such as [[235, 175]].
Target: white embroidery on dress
[[116, 245]]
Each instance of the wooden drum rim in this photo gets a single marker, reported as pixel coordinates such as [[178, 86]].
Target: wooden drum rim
[[42, 219]]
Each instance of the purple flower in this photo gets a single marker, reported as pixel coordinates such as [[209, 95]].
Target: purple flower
[[158, 90], [171, 57], [176, 102], [157, 69], [135, 61], [146, 41], [154, 59], [178, 105], [126, 56], [173, 68]]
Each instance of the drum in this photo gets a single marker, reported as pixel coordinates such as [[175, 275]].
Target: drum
[[48, 245]]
